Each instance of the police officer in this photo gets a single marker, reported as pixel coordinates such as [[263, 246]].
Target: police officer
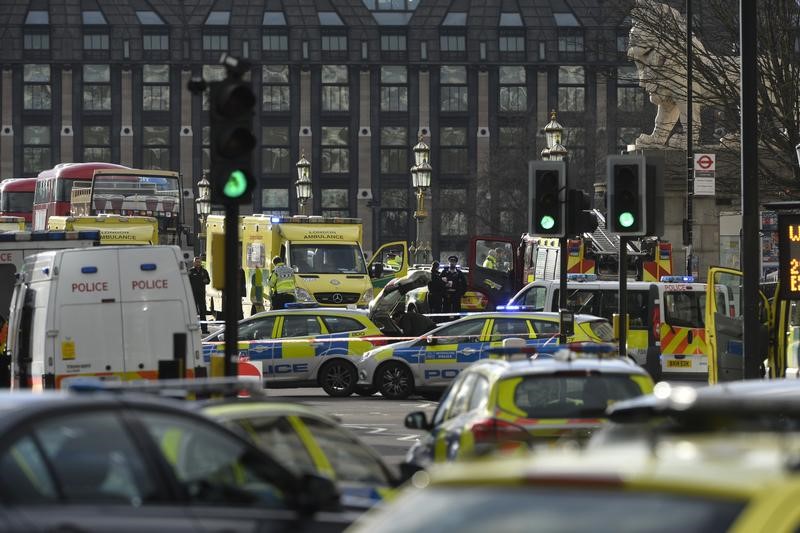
[[281, 284], [455, 286], [198, 279], [393, 262], [436, 289], [491, 260]]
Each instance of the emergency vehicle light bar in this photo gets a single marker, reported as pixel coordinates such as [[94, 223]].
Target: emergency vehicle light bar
[[148, 267], [49, 235], [581, 277], [183, 389], [677, 279], [518, 308]]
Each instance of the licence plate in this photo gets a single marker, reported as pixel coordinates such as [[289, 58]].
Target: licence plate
[[675, 363]]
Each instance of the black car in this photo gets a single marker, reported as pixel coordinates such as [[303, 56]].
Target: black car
[[125, 462]]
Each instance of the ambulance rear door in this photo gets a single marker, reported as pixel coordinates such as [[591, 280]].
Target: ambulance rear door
[[155, 306], [87, 315]]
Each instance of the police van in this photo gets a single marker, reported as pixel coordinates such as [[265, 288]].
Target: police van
[[108, 312], [666, 331]]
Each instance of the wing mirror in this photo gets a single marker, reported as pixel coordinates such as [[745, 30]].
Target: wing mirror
[[417, 420]]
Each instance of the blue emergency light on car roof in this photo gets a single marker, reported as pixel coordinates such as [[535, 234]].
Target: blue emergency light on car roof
[[148, 267], [512, 308], [49, 235], [301, 305], [89, 270], [677, 279], [581, 277]]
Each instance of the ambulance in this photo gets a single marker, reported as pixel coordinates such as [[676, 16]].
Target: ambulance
[[114, 229], [11, 223], [325, 253], [109, 312]]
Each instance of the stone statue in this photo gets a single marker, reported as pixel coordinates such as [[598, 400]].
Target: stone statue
[[661, 69]]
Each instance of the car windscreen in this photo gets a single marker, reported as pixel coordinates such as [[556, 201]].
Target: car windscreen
[[554, 510], [571, 394], [327, 259], [685, 308]]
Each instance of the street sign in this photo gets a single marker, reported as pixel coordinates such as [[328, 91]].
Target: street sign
[[789, 256], [704, 185], [705, 162], [705, 173]]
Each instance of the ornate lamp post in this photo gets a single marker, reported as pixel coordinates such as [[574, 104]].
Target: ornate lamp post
[[203, 207], [303, 183], [553, 134], [421, 181]]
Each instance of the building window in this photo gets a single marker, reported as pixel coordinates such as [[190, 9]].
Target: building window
[[334, 203], [36, 91], [511, 136], [155, 41], [335, 91], [275, 202], [630, 97], [275, 90], [215, 42], [275, 150], [571, 89], [36, 149], [36, 41], [453, 151], [334, 46], [453, 212], [93, 18], [453, 46], [95, 41], [394, 215], [625, 136], [38, 17], [155, 91], [513, 91], [155, 147], [212, 73], [335, 150], [394, 150], [454, 94], [96, 88], [97, 143], [394, 89], [393, 46], [570, 42], [511, 45], [575, 143], [275, 41]]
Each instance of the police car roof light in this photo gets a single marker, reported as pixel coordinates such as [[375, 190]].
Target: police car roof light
[[677, 279], [172, 388], [89, 270], [515, 307], [148, 267], [302, 305], [581, 277]]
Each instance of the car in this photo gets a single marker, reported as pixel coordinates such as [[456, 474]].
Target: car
[[110, 461], [304, 347], [308, 441], [500, 404], [738, 485], [428, 363]]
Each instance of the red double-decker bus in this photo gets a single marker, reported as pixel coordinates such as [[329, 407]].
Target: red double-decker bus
[[54, 189], [16, 197]]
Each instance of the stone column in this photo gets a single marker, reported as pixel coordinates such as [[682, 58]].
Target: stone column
[[600, 140], [426, 225], [483, 202], [126, 133], [67, 128], [7, 128], [186, 136], [306, 139], [364, 193]]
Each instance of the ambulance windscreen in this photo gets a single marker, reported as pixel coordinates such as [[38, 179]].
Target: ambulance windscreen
[[327, 259]]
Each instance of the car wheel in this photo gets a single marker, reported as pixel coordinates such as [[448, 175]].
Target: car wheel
[[395, 381], [362, 390], [338, 378]]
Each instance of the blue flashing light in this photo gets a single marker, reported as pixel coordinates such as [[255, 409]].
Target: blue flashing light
[[89, 270], [581, 277], [275, 220], [301, 305], [579, 347], [148, 267], [677, 279], [86, 385]]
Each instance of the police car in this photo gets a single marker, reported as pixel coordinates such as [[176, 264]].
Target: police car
[[428, 363], [304, 347], [500, 404]]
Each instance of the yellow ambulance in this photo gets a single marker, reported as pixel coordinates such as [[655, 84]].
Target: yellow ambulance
[[114, 229]]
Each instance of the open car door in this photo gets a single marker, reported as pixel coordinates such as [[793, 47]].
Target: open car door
[[724, 325], [389, 261], [491, 269]]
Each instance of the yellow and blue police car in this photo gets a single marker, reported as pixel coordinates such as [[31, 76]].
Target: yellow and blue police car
[[428, 363], [745, 484], [304, 347], [510, 405]]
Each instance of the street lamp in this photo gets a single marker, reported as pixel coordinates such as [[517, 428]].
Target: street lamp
[[553, 132], [797, 149], [303, 183], [421, 181], [203, 206]]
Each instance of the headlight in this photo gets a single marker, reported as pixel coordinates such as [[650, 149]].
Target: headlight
[[303, 295], [367, 296]]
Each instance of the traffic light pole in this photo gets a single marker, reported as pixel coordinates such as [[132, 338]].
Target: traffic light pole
[[562, 286], [232, 300], [623, 296]]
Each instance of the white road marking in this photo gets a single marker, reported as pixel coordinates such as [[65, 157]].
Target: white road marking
[[409, 437], [377, 430]]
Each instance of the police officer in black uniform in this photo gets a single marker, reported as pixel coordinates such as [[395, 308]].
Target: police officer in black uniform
[[455, 286]]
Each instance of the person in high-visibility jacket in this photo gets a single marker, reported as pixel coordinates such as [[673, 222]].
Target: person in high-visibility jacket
[[394, 262], [256, 291], [281, 284], [491, 260]]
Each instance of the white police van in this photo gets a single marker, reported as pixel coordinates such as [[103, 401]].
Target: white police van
[[109, 312]]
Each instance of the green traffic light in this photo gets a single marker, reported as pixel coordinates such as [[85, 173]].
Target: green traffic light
[[547, 222], [236, 185], [626, 219]]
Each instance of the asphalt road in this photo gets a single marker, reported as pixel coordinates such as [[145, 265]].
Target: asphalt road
[[377, 421]]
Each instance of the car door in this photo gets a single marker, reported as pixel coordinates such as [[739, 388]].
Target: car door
[[491, 269], [377, 265], [451, 349], [257, 338], [84, 471], [294, 357], [506, 328]]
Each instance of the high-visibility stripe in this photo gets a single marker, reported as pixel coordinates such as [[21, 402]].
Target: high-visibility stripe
[[317, 455]]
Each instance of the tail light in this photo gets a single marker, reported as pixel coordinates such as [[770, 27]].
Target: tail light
[[732, 310], [499, 433], [656, 321]]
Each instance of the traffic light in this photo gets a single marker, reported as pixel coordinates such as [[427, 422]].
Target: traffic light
[[548, 185], [580, 219], [627, 211], [231, 104]]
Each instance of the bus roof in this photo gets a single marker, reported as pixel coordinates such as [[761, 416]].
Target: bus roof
[[76, 170], [18, 185]]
